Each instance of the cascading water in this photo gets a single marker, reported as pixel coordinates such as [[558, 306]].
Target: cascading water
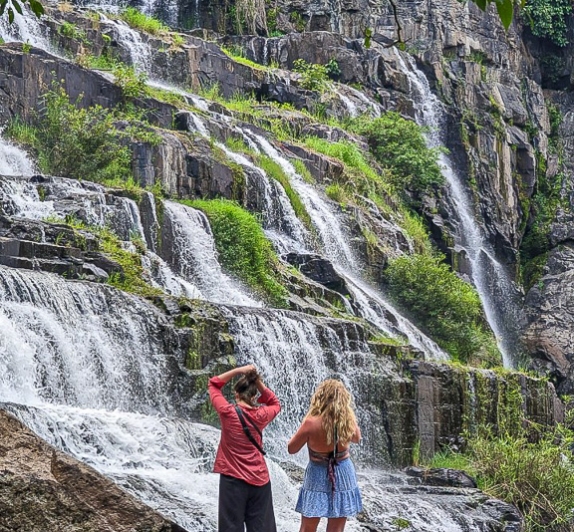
[[131, 40], [336, 248], [85, 367], [25, 29], [279, 219], [194, 257], [14, 161], [496, 290]]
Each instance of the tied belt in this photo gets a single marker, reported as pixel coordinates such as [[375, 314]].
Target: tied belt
[[331, 459]]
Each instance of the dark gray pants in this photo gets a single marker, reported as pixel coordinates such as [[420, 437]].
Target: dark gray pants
[[245, 507]]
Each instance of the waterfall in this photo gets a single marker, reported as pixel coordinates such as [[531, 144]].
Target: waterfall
[[79, 344], [335, 246], [491, 279], [139, 51], [93, 370], [279, 220], [83, 365], [26, 29], [194, 257], [14, 161]]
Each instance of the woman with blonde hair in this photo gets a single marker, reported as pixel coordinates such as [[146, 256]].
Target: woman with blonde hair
[[330, 485]]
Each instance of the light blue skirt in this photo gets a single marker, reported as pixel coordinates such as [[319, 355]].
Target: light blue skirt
[[316, 498]]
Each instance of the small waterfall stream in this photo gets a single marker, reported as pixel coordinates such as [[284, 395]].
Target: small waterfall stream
[[335, 246], [491, 279], [14, 161], [195, 257], [26, 29]]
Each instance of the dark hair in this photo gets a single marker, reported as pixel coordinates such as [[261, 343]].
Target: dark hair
[[246, 386]]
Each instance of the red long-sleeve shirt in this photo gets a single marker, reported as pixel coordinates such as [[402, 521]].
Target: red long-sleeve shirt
[[236, 456]]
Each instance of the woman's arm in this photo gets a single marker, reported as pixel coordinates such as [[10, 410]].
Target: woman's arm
[[356, 438], [217, 398], [299, 439], [228, 375]]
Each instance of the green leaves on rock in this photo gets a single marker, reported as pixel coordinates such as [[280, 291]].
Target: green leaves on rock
[[448, 308], [243, 247], [8, 6]]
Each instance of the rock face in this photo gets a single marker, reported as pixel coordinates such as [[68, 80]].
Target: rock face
[[43, 489]]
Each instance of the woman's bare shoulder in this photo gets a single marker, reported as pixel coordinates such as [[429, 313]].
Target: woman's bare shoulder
[[313, 422]]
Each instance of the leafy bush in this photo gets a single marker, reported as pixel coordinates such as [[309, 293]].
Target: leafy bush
[[400, 146], [548, 19], [313, 77], [243, 248], [132, 83], [70, 30], [535, 474], [80, 143], [446, 306]]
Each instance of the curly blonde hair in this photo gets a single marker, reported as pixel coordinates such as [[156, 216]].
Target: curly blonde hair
[[333, 403]]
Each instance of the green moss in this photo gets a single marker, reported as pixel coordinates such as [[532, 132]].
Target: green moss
[[140, 21], [243, 247]]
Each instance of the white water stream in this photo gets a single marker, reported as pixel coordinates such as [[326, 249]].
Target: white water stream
[[491, 279]]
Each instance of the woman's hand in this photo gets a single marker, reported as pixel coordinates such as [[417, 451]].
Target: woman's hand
[[248, 368], [241, 370]]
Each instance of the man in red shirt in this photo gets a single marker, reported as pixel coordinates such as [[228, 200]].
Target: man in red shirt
[[244, 487]]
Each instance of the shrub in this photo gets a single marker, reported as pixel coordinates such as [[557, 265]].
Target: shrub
[[71, 31], [548, 19], [313, 77], [535, 474], [132, 83], [400, 146], [243, 248], [80, 143], [446, 306]]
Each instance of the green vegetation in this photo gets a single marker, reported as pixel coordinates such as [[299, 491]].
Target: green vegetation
[[314, 77], [275, 171], [400, 146], [534, 472], [131, 278], [238, 55], [540, 210], [361, 177], [7, 7], [549, 19], [80, 143], [139, 21], [243, 248], [446, 306], [401, 523], [71, 31], [132, 83]]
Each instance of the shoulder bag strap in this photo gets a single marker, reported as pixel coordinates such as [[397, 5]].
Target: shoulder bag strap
[[247, 431]]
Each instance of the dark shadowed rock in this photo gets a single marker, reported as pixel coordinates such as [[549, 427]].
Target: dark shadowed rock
[[441, 477]]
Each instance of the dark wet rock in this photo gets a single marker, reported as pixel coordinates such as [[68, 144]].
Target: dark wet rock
[[441, 477], [318, 269]]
